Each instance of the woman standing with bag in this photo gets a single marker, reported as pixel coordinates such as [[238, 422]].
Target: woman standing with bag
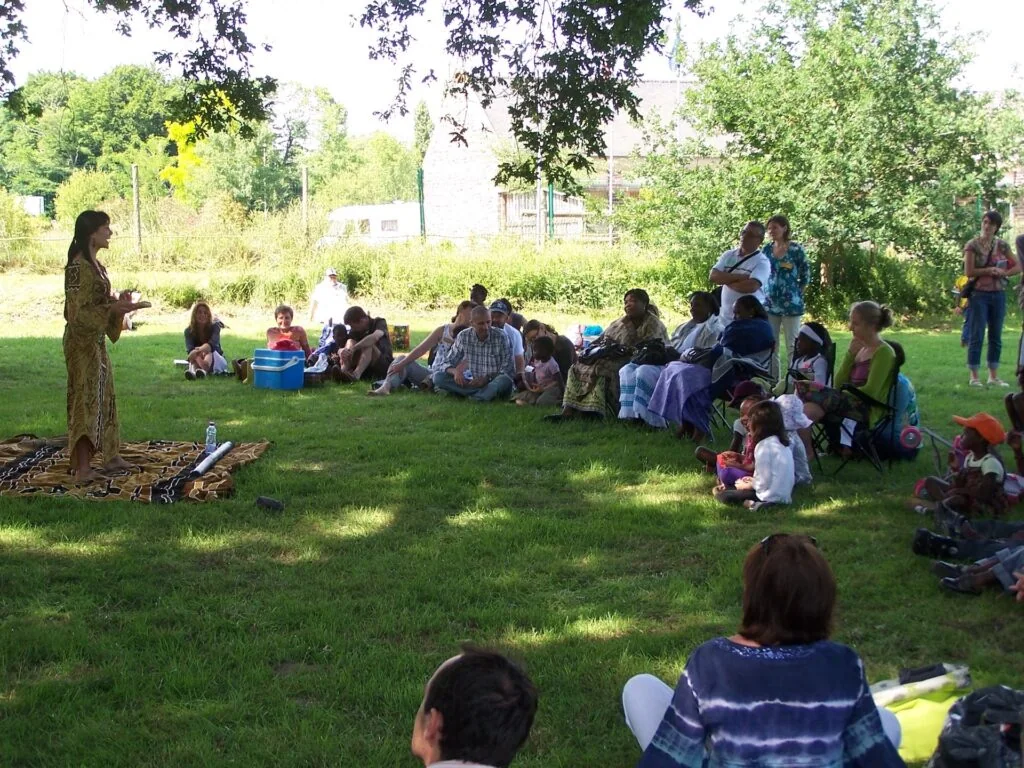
[[987, 264]]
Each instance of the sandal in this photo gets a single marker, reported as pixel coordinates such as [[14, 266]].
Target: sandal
[[975, 383], [997, 383]]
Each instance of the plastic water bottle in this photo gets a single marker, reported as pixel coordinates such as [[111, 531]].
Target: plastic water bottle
[[211, 438]]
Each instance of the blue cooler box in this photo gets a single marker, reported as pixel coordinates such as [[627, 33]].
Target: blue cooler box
[[273, 369]]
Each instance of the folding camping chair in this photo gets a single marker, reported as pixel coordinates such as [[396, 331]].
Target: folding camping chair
[[747, 370], [863, 438]]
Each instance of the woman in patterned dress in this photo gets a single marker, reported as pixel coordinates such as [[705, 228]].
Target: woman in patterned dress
[[784, 294], [90, 312]]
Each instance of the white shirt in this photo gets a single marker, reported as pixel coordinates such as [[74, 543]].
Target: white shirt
[[515, 340], [757, 266], [331, 301], [773, 471]]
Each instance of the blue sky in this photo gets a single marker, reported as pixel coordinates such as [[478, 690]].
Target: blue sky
[[315, 42]]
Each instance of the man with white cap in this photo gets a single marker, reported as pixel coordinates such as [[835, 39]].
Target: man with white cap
[[329, 299]]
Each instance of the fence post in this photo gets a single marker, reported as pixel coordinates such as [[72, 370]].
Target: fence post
[[551, 210], [419, 193], [136, 209]]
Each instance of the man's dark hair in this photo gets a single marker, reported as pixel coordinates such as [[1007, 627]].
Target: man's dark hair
[[759, 224], [750, 303], [477, 288], [488, 704], [995, 217], [354, 314], [544, 345]]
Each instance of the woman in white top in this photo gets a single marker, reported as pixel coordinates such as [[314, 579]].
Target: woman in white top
[[774, 475], [637, 382], [405, 368]]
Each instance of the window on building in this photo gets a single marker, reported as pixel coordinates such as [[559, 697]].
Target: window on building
[[389, 225]]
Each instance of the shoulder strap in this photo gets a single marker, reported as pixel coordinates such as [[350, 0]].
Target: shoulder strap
[[742, 261]]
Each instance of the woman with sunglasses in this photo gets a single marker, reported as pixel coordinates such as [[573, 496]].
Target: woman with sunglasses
[[778, 692]]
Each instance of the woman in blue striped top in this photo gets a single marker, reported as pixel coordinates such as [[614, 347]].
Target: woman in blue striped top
[[779, 694]]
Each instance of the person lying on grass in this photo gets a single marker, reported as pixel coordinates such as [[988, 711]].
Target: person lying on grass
[[1002, 570], [367, 353], [776, 693], [975, 490], [477, 711], [405, 369], [543, 380], [773, 476]]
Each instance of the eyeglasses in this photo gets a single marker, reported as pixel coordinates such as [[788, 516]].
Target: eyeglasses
[[766, 542]]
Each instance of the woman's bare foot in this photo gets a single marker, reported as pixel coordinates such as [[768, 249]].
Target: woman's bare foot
[[90, 475], [381, 391], [117, 464]]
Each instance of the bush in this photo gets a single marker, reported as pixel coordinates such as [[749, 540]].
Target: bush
[[84, 191]]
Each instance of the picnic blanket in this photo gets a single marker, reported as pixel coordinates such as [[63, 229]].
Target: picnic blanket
[[30, 466]]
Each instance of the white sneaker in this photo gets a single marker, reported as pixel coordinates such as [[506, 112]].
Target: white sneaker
[[975, 383], [997, 383]]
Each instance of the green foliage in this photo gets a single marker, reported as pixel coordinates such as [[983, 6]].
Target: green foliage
[[63, 123], [17, 233], [380, 169], [842, 115], [83, 191], [423, 129]]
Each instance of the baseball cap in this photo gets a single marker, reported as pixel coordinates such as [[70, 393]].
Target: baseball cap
[[330, 272], [502, 306], [987, 426], [744, 390]]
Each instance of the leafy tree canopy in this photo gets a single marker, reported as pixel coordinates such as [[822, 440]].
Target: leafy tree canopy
[[566, 66]]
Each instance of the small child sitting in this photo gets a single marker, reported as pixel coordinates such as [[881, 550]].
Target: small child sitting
[[332, 349], [544, 381], [738, 461], [774, 477], [809, 361], [976, 489]]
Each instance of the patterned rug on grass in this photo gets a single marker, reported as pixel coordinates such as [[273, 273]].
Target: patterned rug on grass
[[161, 471]]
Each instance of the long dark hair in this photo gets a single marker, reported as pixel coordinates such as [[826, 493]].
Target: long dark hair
[[766, 421], [750, 303], [85, 226]]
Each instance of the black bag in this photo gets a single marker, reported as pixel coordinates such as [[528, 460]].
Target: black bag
[[608, 350], [700, 356], [654, 352], [968, 289], [983, 730]]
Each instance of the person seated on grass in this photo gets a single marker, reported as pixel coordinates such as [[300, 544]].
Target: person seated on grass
[[592, 388], [964, 539], [479, 365], [565, 350], [284, 331], [773, 477], [202, 343], [778, 692], [1003, 569], [637, 382], [687, 388], [500, 312], [738, 461], [477, 711], [809, 361], [337, 341], [367, 353], [975, 490], [515, 319], [868, 366], [406, 369], [542, 380], [1014, 402], [283, 336]]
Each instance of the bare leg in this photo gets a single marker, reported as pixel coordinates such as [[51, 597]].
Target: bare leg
[[936, 488], [366, 356], [81, 455]]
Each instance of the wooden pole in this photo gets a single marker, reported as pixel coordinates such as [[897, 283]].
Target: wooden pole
[[136, 209]]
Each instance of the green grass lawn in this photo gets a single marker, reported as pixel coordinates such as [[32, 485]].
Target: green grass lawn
[[220, 633]]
